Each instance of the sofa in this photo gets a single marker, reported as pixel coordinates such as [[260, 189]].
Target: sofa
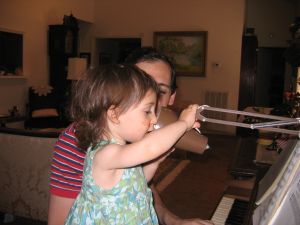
[[25, 158]]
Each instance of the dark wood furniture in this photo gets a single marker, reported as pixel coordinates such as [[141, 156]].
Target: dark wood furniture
[[10, 119], [63, 44], [44, 110], [248, 71], [243, 165]]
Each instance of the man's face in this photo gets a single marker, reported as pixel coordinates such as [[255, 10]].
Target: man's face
[[161, 73]]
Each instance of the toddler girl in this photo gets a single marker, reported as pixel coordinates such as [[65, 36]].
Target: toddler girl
[[115, 110]]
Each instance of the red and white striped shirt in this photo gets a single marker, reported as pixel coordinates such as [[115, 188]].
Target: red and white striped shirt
[[67, 165]]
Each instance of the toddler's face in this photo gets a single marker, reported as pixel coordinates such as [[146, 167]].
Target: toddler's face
[[139, 119]]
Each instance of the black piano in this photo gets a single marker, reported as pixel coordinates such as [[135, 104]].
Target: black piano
[[235, 209]]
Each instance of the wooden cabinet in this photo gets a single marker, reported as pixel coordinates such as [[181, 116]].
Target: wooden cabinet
[[62, 44], [63, 40]]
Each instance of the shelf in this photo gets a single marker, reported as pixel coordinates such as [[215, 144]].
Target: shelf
[[12, 77]]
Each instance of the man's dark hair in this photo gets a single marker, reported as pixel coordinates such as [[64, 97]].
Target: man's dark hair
[[150, 54]]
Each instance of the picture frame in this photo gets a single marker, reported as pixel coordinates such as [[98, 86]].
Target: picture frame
[[86, 55], [186, 50]]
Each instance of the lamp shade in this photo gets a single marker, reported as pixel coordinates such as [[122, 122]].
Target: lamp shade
[[76, 68]]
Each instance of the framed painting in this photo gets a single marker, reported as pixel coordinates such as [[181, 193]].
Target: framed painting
[[186, 50]]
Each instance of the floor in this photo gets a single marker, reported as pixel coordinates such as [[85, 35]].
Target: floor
[[199, 187], [19, 221]]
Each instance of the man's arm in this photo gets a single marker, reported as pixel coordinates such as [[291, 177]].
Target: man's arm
[[150, 167], [166, 217], [59, 208]]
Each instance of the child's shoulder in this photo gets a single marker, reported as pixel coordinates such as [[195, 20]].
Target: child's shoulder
[[104, 145], [104, 153]]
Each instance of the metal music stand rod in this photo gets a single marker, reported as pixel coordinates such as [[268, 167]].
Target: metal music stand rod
[[268, 126]]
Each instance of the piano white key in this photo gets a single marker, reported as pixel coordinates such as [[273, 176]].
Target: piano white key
[[222, 211]]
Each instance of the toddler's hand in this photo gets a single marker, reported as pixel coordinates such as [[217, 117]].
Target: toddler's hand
[[188, 116]]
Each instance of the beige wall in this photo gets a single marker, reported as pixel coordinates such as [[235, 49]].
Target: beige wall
[[223, 19], [31, 18]]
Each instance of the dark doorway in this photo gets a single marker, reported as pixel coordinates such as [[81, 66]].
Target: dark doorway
[[270, 77], [262, 75], [115, 50]]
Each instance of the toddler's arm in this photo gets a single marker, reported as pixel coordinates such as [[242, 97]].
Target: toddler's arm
[[151, 146]]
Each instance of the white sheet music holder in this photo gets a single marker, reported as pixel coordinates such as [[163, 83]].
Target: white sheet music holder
[[269, 126]]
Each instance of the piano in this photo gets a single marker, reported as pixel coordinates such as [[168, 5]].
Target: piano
[[230, 211], [275, 196], [270, 198], [237, 204]]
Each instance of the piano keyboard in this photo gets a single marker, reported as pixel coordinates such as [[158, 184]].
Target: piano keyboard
[[222, 211], [230, 211]]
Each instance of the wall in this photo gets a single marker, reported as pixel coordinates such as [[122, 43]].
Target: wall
[[13, 92], [32, 17], [223, 19]]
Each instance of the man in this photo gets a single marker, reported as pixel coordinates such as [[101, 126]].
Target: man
[[67, 164]]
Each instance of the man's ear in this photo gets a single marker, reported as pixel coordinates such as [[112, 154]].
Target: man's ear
[[113, 114], [172, 99]]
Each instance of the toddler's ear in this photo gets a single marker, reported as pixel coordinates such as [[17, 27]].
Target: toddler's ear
[[113, 114]]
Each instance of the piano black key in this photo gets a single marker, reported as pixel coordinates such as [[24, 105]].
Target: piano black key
[[237, 212]]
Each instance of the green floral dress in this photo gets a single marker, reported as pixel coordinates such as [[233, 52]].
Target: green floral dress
[[129, 202]]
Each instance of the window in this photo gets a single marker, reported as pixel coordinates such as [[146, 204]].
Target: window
[[11, 52]]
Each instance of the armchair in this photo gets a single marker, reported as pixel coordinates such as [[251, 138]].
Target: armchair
[[43, 109]]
